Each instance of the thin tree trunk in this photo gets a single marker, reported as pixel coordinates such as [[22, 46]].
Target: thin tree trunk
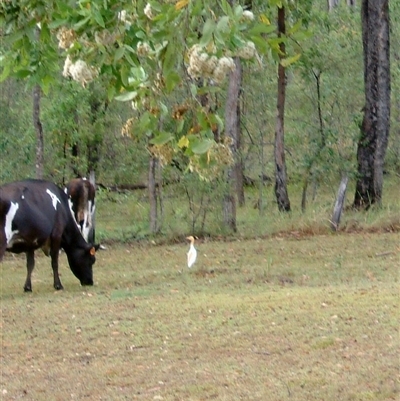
[[374, 136], [153, 194], [232, 130], [312, 160], [98, 109], [281, 193], [235, 90], [75, 148], [39, 132]]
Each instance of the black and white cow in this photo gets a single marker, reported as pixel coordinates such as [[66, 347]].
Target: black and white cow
[[81, 193], [35, 214]]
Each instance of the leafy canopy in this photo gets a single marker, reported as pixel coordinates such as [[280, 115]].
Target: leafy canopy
[[153, 54]]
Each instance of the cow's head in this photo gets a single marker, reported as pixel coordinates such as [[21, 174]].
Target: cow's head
[[81, 261]]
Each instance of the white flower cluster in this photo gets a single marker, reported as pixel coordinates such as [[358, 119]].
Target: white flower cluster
[[104, 37], [203, 65], [148, 12], [143, 49], [248, 15], [122, 16], [79, 71], [125, 18], [248, 51], [66, 38]]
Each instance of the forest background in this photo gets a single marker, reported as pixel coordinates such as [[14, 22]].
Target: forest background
[[86, 130]]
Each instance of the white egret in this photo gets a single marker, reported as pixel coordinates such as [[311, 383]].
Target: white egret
[[192, 253]]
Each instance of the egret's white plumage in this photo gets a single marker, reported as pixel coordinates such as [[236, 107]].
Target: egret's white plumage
[[192, 253]]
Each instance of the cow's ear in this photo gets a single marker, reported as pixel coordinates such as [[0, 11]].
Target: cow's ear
[[92, 251]]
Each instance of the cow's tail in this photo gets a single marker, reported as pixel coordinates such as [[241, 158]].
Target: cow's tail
[[4, 208]]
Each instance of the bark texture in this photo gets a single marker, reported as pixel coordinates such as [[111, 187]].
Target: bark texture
[[232, 130], [281, 193], [39, 132], [374, 134], [153, 194]]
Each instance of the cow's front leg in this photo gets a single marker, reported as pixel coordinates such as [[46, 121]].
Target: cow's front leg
[[30, 265], [54, 265]]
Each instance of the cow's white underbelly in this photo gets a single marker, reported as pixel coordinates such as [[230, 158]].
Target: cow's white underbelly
[[8, 225]]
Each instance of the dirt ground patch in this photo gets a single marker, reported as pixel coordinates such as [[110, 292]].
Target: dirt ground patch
[[275, 319]]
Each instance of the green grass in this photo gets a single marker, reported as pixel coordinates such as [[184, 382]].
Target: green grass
[[124, 217], [281, 318]]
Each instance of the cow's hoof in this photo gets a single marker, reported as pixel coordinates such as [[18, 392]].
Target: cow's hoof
[[58, 287], [27, 289]]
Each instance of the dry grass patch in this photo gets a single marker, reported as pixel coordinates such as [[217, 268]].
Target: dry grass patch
[[304, 319]]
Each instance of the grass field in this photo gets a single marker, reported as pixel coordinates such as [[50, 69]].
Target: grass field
[[288, 317]]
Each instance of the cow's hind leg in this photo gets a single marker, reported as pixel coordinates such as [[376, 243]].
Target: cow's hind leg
[[30, 264], [54, 264], [3, 244]]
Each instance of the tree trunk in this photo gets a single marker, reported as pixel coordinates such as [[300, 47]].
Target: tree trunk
[[39, 132], [98, 109], [232, 121], [75, 148], [281, 193], [234, 174], [321, 145], [153, 194], [155, 198], [374, 135]]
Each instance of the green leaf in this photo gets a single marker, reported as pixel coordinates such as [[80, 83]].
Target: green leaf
[[223, 24], [168, 61], [180, 126], [285, 62], [21, 74], [226, 8], [193, 89], [46, 83], [119, 53], [99, 18], [45, 33], [6, 72], [126, 96], [238, 11], [14, 37], [162, 138], [261, 43], [219, 38], [111, 92], [294, 28], [202, 146], [301, 36], [130, 60], [208, 30], [171, 80], [219, 122], [125, 75], [81, 23], [260, 29]]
